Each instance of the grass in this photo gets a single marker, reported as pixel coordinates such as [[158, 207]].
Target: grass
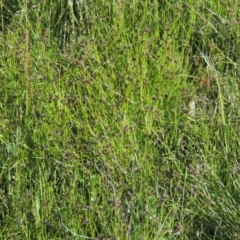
[[97, 138]]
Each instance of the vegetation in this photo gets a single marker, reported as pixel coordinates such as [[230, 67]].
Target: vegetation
[[119, 119]]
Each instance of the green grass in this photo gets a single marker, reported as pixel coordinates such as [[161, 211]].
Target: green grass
[[96, 136]]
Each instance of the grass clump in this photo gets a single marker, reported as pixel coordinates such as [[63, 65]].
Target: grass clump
[[119, 120]]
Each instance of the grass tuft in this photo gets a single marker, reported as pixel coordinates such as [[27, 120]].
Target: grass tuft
[[119, 120]]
